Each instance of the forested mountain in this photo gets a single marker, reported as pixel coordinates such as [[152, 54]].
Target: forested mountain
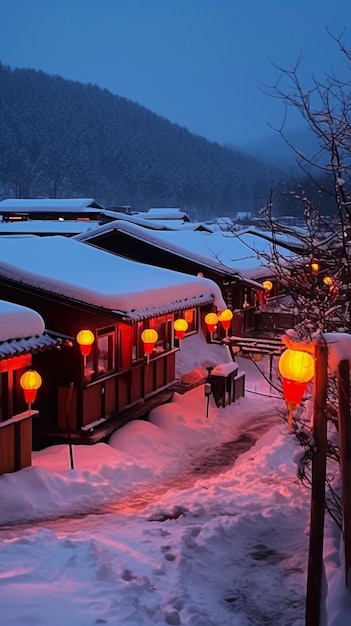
[[60, 138]]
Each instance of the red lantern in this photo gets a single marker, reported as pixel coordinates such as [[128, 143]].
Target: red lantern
[[297, 369], [85, 338], [211, 320], [149, 337], [225, 317], [180, 326], [30, 382]]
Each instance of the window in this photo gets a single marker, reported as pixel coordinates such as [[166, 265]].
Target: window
[[190, 315], [164, 328], [137, 347], [105, 350]]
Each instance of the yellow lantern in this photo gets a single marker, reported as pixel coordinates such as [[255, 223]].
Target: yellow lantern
[[149, 337], [85, 338], [180, 326], [268, 285], [30, 382], [211, 320], [327, 280], [314, 267], [297, 369], [225, 317]]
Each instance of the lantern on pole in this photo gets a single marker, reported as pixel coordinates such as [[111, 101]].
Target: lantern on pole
[[180, 326], [149, 337], [211, 321], [297, 369], [225, 317], [85, 338], [30, 382]]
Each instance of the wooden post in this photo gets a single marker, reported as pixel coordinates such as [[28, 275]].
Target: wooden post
[[315, 555], [345, 457]]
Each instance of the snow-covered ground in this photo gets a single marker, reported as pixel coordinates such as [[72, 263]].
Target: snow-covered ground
[[164, 542]]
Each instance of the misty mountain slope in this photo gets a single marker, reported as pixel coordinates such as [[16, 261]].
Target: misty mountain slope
[[60, 138]]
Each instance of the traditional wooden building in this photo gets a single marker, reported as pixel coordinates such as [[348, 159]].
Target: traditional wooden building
[[75, 286], [21, 209], [192, 252], [22, 335]]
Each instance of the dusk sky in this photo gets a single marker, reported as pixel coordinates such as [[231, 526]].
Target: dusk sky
[[199, 63]]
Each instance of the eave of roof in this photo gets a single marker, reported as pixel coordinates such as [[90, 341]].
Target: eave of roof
[[30, 345]]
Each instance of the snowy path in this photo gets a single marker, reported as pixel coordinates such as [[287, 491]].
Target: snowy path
[[220, 540], [211, 462]]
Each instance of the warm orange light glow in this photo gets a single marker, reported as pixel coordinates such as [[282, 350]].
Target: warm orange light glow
[[297, 369], [30, 382], [211, 320], [268, 285], [225, 318], [149, 337], [85, 338], [314, 266], [189, 316], [296, 365], [180, 326]]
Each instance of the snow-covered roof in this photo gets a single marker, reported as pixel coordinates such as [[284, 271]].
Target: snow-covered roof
[[69, 227], [83, 273], [220, 251], [22, 331], [48, 204], [165, 213], [18, 321], [155, 224]]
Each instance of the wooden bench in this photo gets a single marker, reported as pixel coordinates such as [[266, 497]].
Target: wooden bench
[[251, 346]]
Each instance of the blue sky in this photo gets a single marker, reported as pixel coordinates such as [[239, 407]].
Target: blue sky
[[199, 63]]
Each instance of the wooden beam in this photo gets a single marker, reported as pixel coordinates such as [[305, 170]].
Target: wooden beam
[[345, 457], [317, 513]]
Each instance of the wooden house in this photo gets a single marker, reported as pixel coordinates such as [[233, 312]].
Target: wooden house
[[75, 286], [192, 252], [22, 335], [21, 209]]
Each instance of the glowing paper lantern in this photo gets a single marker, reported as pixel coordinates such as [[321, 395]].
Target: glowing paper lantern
[[314, 267], [180, 326], [268, 285], [30, 382], [149, 337], [211, 320], [327, 280], [85, 338], [297, 369], [225, 317]]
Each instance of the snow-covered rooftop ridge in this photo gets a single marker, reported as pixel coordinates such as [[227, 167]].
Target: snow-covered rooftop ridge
[[17, 322], [48, 204], [225, 253], [165, 213], [69, 268], [71, 227], [158, 240]]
